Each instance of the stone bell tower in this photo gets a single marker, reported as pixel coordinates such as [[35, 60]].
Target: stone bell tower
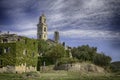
[[42, 28]]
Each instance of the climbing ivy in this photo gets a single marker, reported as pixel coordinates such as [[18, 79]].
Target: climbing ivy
[[16, 55]]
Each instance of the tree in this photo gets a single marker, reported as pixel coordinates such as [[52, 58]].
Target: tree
[[56, 52], [102, 60], [84, 53], [42, 47]]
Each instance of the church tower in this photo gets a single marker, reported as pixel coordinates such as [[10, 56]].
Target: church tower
[[42, 28]]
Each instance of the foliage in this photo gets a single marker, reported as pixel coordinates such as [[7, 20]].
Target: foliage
[[84, 53], [42, 47], [16, 57], [87, 53], [115, 66], [102, 59], [66, 60], [58, 75], [50, 53], [8, 58], [27, 52], [55, 53]]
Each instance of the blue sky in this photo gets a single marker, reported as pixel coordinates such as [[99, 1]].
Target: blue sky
[[80, 22]]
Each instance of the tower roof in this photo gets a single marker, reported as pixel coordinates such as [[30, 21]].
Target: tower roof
[[43, 15]]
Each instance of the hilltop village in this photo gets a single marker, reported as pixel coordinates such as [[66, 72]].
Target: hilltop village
[[20, 54]]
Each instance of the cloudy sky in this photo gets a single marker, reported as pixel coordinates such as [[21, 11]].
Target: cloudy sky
[[80, 22]]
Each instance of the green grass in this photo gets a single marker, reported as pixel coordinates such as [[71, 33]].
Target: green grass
[[57, 75]]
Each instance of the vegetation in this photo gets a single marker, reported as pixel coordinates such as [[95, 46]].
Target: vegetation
[[57, 54], [20, 52], [87, 53], [27, 52], [7, 53], [50, 53], [102, 60], [57, 75], [115, 67], [84, 53]]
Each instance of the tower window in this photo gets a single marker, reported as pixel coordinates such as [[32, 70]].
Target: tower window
[[39, 36], [45, 29], [44, 20]]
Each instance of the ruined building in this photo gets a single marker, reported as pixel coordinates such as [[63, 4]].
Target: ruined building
[[42, 28], [20, 54], [17, 53]]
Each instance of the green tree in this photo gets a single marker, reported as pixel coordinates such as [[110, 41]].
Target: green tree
[[84, 53], [42, 47], [56, 52], [102, 60]]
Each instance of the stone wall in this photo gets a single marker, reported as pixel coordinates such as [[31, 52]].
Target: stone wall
[[17, 69], [7, 69], [22, 68], [81, 67]]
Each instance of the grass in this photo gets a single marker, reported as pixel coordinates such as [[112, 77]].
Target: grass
[[57, 75]]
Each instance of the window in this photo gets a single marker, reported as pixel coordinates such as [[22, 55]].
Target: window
[[44, 36], [7, 50], [39, 36], [18, 39], [24, 52], [1, 63], [44, 20], [0, 51], [5, 40], [45, 29], [33, 54]]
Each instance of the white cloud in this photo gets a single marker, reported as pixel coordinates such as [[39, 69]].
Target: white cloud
[[90, 34], [30, 33]]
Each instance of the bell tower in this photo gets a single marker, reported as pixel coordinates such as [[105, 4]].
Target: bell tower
[[42, 28]]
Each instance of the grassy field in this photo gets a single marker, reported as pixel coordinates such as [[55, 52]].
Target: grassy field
[[58, 75]]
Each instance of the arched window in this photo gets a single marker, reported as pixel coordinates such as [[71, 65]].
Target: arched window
[[45, 29]]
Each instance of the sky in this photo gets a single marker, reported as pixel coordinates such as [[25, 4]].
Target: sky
[[79, 22]]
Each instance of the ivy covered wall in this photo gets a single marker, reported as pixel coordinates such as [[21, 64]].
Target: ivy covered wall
[[24, 51], [7, 54], [27, 52]]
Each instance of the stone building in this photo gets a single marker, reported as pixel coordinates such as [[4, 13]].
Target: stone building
[[56, 36], [20, 54], [17, 53], [42, 28]]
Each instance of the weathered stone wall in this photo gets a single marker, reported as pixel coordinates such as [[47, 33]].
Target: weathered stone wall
[[81, 67], [7, 69], [17, 69], [23, 68]]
